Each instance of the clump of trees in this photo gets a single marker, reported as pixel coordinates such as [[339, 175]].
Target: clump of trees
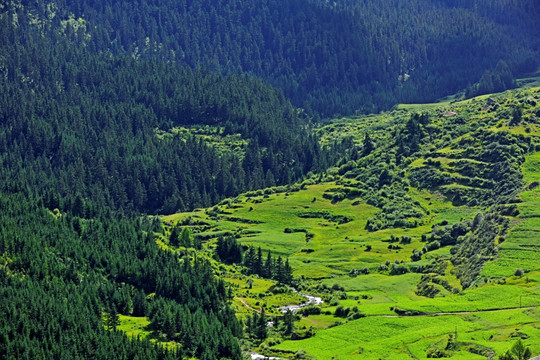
[[256, 325], [184, 238], [230, 251], [517, 352], [270, 267], [500, 79]]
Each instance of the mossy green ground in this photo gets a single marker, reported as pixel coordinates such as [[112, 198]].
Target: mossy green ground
[[138, 327], [486, 315]]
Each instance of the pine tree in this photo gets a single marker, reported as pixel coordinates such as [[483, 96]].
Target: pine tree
[[287, 273], [249, 259], [112, 319], [288, 323], [197, 243], [174, 238], [279, 273], [185, 237], [220, 248], [261, 331], [268, 266], [140, 306], [258, 269], [368, 145]]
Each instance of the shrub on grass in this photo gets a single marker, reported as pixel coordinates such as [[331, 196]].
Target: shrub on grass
[[342, 311], [310, 310], [398, 269]]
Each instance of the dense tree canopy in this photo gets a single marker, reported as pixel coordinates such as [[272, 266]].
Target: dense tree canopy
[[333, 57], [86, 129], [60, 275]]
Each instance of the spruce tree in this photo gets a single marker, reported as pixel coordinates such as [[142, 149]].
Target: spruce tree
[[174, 238], [279, 271], [112, 319], [368, 145], [288, 323], [287, 273], [268, 266], [259, 263], [261, 326], [185, 237]]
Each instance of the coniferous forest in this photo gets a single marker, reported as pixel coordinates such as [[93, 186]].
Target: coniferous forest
[[328, 57], [95, 100]]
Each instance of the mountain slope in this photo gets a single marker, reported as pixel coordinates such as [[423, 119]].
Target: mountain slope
[[336, 57], [435, 218], [77, 124]]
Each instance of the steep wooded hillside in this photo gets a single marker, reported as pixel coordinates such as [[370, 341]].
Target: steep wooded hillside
[[332, 57], [85, 127]]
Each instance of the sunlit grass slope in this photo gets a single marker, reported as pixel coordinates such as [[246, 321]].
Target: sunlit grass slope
[[321, 225]]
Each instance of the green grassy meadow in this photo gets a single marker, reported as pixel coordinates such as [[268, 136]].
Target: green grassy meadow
[[335, 255], [138, 327]]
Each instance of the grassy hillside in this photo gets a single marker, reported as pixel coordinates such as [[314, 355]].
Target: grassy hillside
[[447, 231]]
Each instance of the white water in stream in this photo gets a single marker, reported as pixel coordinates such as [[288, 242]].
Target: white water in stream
[[310, 300], [256, 356]]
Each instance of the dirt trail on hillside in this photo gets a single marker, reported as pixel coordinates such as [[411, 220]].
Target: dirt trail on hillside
[[247, 305]]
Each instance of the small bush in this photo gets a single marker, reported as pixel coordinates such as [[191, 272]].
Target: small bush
[[337, 287], [341, 311], [310, 310]]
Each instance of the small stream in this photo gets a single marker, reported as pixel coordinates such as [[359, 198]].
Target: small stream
[[310, 300], [257, 356]]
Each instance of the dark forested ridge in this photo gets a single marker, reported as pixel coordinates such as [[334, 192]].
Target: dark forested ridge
[[77, 124], [336, 57]]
